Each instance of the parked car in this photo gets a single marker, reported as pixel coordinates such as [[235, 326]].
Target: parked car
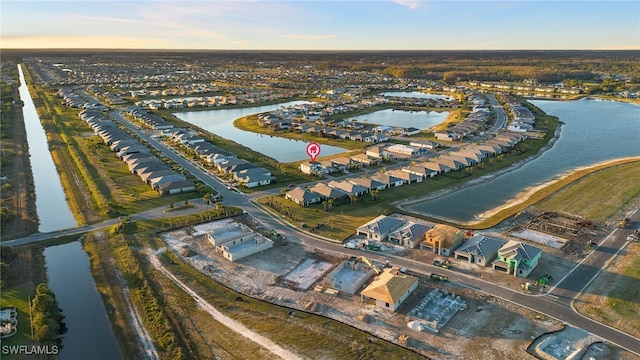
[[632, 237]]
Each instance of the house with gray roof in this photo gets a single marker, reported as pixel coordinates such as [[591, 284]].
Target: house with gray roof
[[480, 250], [379, 228], [517, 258], [409, 235]]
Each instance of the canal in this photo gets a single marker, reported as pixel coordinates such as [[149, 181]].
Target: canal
[[51, 203], [89, 334]]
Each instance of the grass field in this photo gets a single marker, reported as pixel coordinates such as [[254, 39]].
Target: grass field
[[599, 196], [18, 296]]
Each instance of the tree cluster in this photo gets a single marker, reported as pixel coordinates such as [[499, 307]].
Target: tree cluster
[[46, 315]]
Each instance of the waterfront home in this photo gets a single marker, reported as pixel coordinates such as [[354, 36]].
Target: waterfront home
[[368, 183], [407, 177], [420, 170], [387, 179]]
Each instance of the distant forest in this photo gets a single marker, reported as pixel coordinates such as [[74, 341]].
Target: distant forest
[[547, 66]]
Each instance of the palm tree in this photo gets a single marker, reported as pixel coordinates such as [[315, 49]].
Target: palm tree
[[330, 203], [470, 170], [324, 204], [374, 194], [283, 191], [353, 198], [206, 198]]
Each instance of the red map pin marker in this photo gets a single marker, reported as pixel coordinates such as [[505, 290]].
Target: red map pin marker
[[313, 150]]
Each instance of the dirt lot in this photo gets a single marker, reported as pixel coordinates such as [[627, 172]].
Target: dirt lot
[[466, 335]]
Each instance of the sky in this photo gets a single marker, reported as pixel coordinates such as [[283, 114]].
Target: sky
[[321, 25]]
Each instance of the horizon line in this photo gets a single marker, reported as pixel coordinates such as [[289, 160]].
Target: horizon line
[[308, 50]]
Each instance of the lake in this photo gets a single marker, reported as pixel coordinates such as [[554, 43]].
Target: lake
[[593, 131], [418, 119], [220, 122], [416, 94]]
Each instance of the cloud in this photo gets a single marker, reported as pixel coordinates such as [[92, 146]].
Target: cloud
[[411, 4]]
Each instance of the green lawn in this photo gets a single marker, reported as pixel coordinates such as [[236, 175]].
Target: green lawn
[[599, 196], [18, 296]]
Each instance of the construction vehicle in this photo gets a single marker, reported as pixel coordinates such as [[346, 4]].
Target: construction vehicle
[[442, 263], [438, 277], [371, 264], [623, 223]]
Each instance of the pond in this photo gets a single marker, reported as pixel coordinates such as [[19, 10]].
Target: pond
[[220, 122], [418, 119]]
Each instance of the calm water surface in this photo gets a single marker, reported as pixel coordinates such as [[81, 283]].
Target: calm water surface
[[594, 131], [89, 334], [220, 122], [51, 204], [418, 119], [416, 94]]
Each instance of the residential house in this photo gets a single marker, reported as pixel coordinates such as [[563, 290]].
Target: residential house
[[176, 187], [403, 151], [435, 166], [364, 159], [312, 168], [442, 239], [387, 179], [420, 170], [368, 183], [390, 289], [379, 152], [302, 196], [517, 258], [480, 250], [423, 144], [409, 235], [327, 192], [252, 177], [379, 228], [407, 177], [349, 187]]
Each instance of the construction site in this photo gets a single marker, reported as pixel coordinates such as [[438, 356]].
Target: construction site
[[427, 314], [559, 231]]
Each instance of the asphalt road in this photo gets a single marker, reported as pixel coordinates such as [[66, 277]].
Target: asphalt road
[[556, 303]]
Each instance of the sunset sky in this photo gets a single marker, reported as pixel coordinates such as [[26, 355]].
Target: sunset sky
[[321, 25]]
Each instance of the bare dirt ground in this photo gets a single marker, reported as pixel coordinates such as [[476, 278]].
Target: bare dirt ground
[[465, 336]]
